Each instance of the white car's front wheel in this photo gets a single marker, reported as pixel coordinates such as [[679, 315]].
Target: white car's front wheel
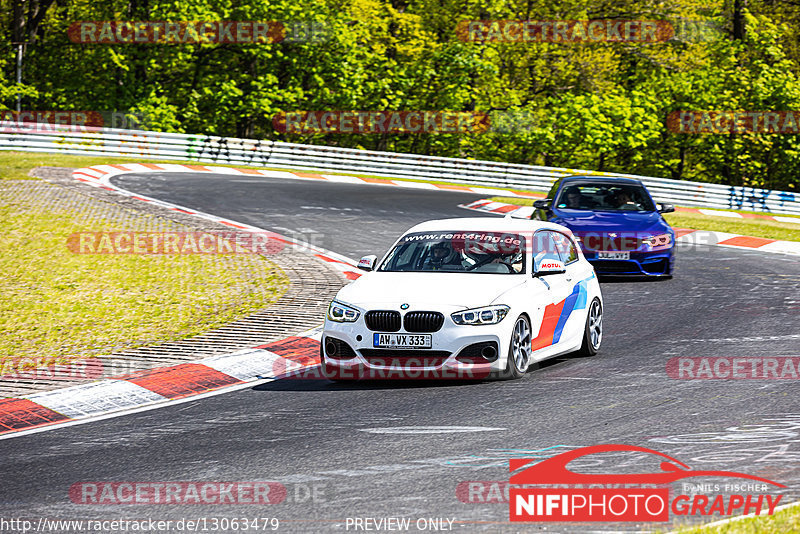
[[593, 332], [519, 349]]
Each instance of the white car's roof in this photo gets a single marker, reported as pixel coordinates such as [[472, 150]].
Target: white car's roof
[[486, 224]]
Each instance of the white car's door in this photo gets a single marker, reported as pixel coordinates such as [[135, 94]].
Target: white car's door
[[573, 314], [548, 325]]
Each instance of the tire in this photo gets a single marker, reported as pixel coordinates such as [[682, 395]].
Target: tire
[[519, 350], [593, 331]]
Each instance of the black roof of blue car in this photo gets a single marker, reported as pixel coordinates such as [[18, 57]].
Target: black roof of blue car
[[602, 179]]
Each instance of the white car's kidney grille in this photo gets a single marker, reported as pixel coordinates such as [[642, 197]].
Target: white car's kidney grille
[[423, 321], [382, 321]]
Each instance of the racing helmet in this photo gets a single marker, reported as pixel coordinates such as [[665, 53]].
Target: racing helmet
[[441, 253]]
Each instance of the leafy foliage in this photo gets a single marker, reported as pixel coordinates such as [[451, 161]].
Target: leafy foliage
[[595, 105]]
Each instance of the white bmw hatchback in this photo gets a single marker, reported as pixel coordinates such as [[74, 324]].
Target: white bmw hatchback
[[465, 298]]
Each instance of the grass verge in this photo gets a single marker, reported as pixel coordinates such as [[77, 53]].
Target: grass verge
[[750, 227], [56, 306], [16, 165]]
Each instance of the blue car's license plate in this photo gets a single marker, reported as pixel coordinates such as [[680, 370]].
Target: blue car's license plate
[[613, 255]]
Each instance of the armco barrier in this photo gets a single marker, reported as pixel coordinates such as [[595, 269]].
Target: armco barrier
[[211, 149]]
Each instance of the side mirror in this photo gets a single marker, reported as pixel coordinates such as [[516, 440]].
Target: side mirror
[[666, 208], [543, 204], [367, 263], [548, 267]]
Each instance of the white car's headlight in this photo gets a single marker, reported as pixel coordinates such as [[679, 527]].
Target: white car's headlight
[[342, 313], [661, 240], [478, 316]]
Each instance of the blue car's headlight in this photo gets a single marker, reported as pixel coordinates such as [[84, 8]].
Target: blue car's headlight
[[342, 313], [478, 316], [658, 241]]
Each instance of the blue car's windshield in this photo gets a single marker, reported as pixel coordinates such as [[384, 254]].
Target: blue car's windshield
[[604, 197]]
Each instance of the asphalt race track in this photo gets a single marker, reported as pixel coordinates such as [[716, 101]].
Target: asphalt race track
[[337, 448]]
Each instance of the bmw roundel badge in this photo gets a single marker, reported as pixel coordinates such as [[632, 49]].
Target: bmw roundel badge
[[404, 306]]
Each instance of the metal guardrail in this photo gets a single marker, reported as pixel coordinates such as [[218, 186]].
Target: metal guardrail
[[211, 149]]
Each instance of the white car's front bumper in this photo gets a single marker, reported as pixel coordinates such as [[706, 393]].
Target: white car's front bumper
[[446, 358]]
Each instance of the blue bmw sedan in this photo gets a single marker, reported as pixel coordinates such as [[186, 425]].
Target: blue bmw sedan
[[619, 226]]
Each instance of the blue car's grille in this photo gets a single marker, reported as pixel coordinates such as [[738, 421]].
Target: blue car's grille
[[655, 266], [616, 266]]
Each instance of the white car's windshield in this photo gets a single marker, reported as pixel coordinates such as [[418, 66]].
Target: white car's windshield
[[458, 251]]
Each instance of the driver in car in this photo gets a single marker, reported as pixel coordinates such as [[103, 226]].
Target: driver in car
[[442, 257], [624, 202], [575, 200]]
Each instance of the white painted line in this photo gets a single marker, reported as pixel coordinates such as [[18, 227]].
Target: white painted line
[[717, 213], [704, 237], [145, 408], [414, 185], [135, 167], [343, 179], [790, 220], [782, 247], [103, 396], [429, 429], [250, 364], [105, 169], [524, 212], [223, 170], [91, 180], [172, 167], [281, 174], [493, 192], [91, 172], [492, 206]]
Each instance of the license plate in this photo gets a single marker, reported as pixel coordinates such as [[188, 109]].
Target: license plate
[[402, 341], [613, 255]]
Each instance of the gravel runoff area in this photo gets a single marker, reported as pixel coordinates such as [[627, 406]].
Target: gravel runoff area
[[312, 282]]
